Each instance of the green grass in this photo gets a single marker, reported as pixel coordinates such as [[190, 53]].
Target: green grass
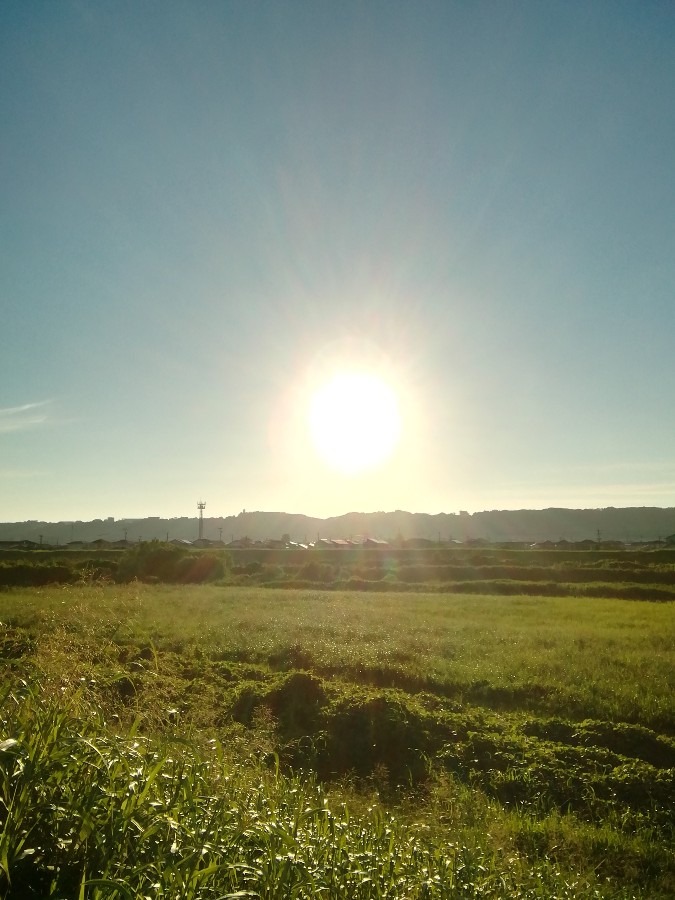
[[90, 813], [200, 741], [561, 656]]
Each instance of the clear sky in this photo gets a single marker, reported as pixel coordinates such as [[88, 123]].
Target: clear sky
[[205, 208]]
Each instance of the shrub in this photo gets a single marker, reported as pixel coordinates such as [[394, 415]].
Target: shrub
[[194, 569], [30, 575], [150, 559], [315, 571]]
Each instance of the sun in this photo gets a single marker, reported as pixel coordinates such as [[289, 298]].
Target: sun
[[354, 421]]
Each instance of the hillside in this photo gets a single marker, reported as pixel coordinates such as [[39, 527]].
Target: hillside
[[628, 524]]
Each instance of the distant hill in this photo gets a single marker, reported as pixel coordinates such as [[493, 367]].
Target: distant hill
[[629, 524]]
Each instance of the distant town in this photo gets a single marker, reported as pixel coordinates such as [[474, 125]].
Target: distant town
[[609, 528]]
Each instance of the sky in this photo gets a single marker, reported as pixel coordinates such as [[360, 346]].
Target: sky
[[208, 208]]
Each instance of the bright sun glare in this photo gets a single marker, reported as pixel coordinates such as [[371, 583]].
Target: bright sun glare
[[354, 421]]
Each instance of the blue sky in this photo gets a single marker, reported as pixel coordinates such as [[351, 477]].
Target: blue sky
[[202, 203]]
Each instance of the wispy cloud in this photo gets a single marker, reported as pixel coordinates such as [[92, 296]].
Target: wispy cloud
[[20, 418]]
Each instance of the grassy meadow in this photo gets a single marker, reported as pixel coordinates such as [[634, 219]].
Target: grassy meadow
[[223, 740]]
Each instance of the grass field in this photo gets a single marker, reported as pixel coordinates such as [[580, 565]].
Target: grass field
[[214, 741]]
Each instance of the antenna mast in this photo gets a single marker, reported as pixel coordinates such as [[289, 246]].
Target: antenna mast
[[201, 506]]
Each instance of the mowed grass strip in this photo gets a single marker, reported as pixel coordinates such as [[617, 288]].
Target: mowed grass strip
[[580, 658]]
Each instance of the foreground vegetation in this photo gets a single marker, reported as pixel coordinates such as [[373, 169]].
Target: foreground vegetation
[[214, 741]]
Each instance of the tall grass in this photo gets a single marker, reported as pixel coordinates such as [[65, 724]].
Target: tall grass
[[89, 813]]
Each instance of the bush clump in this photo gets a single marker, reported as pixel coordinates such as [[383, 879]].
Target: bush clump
[[35, 575], [155, 561]]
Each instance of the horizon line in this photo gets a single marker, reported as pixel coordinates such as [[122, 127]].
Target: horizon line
[[459, 514]]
